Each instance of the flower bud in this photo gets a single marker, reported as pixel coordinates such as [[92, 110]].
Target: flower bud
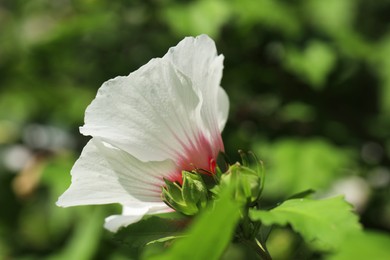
[[246, 180], [188, 198]]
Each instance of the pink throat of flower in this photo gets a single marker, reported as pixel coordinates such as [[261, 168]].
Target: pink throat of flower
[[200, 155]]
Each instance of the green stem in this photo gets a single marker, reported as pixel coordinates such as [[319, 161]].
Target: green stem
[[259, 249], [245, 222]]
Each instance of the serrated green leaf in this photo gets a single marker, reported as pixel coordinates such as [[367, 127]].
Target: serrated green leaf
[[210, 234], [322, 223]]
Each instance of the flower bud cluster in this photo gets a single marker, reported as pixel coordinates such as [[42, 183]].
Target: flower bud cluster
[[194, 195]]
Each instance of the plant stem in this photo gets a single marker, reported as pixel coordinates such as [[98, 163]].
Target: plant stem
[[259, 249]]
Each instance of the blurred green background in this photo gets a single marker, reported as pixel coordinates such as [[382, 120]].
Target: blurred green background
[[308, 81]]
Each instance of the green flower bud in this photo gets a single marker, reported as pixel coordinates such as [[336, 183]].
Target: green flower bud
[[188, 198], [247, 181]]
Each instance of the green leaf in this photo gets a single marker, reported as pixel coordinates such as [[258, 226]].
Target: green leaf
[[298, 165], [313, 64], [333, 16], [383, 64], [150, 229], [366, 245], [85, 240], [323, 223], [297, 111], [210, 233], [163, 240], [197, 17], [302, 194], [275, 15]]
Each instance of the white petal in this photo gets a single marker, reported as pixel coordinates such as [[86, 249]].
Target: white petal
[[150, 114], [132, 215], [197, 58], [159, 111], [114, 222], [223, 108], [105, 174]]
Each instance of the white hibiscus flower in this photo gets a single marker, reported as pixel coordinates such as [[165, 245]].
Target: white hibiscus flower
[[164, 118]]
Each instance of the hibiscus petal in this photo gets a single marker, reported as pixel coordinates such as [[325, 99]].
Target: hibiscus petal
[[167, 103], [114, 222], [223, 108], [197, 59], [132, 215], [104, 174], [150, 114]]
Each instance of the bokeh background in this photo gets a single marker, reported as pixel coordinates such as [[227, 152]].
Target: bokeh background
[[308, 81]]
